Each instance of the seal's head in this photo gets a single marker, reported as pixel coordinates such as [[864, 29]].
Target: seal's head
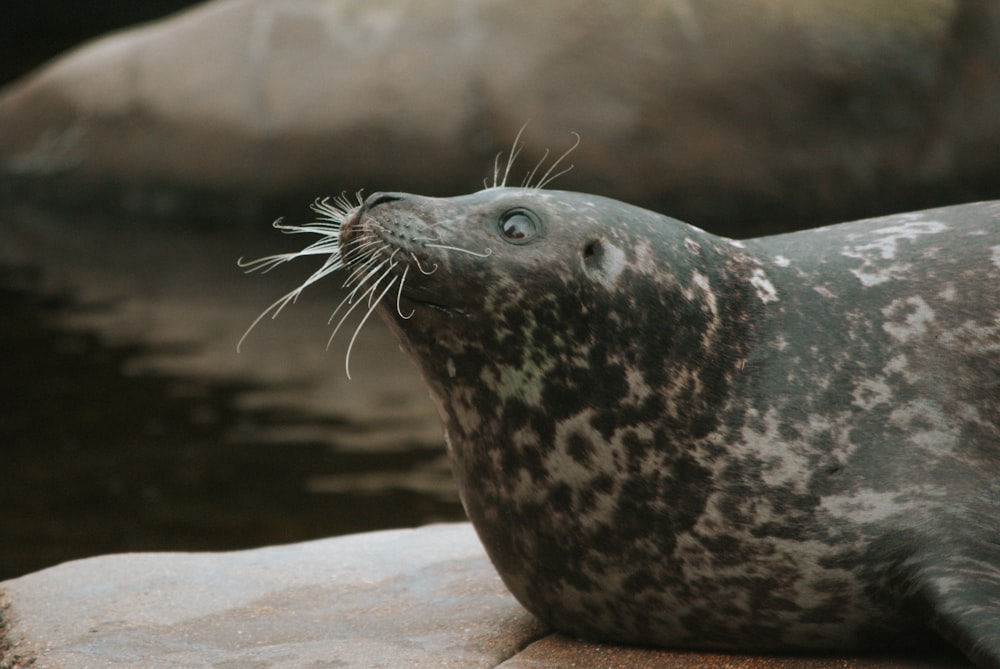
[[561, 389]]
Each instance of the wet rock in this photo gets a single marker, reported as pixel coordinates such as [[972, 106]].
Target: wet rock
[[402, 598], [738, 117]]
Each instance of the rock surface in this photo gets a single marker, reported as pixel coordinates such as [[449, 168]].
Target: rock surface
[[737, 117], [401, 598]]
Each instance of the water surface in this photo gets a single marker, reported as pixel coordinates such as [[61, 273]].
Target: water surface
[[130, 423]]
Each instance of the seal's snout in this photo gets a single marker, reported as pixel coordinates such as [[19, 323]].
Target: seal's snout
[[375, 199], [353, 227], [350, 228]]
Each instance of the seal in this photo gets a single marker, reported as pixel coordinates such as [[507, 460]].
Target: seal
[[671, 438]]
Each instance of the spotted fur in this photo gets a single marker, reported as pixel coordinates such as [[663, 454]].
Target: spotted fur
[[666, 437]]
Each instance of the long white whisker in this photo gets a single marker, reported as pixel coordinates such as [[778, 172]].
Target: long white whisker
[[340, 305], [485, 254], [354, 299], [359, 274], [364, 255], [326, 228], [496, 172], [399, 295], [265, 264], [531, 175], [514, 151], [364, 319], [344, 318], [549, 176], [356, 246], [336, 212], [374, 269], [421, 268], [357, 292], [392, 266], [274, 310]]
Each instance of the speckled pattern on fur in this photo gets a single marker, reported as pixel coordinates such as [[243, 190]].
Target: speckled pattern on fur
[[671, 438]]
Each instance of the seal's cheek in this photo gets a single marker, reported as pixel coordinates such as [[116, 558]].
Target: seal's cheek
[[603, 261]]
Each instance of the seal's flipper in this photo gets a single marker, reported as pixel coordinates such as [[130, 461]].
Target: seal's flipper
[[963, 595]]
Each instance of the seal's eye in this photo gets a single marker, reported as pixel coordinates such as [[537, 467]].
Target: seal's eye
[[519, 226]]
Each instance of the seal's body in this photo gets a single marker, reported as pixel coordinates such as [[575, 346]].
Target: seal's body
[[666, 437]]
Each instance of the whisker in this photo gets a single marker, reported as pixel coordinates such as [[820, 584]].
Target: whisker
[[274, 310], [485, 254], [374, 269], [329, 212], [359, 272], [265, 264], [515, 150], [364, 319], [399, 295], [392, 266], [354, 295], [420, 267], [359, 250], [336, 212], [496, 173], [364, 256], [549, 176], [531, 175], [340, 305], [354, 305], [324, 227]]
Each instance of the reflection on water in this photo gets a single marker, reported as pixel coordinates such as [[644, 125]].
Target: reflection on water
[[129, 422]]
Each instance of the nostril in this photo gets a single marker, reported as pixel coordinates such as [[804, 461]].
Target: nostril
[[376, 199]]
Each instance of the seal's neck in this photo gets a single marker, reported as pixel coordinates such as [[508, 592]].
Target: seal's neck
[[569, 384]]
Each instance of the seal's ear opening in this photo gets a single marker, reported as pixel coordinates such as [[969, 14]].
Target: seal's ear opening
[[593, 253], [602, 260]]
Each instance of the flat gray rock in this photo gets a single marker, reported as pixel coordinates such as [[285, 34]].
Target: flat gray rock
[[401, 598]]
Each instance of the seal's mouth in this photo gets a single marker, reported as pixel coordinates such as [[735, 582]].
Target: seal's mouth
[[408, 297]]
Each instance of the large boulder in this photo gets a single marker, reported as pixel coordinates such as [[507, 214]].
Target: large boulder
[[404, 598], [735, 116]]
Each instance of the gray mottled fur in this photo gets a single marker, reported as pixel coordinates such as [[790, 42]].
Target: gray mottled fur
[[666, 437]]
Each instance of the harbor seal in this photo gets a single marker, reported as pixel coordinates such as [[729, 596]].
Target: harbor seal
[[669, 438]]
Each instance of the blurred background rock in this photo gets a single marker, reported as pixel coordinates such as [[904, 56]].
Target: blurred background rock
[[739, 117]]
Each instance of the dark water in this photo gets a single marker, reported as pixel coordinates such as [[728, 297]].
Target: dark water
[[128, 421]]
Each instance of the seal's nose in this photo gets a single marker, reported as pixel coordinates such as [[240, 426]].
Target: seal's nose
[[352, 227], [375, 199]]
